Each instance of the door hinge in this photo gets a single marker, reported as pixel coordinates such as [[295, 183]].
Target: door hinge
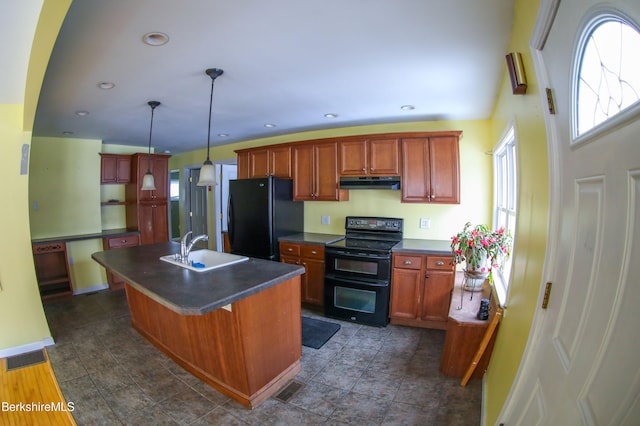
[[545, 298], [551, 105], [190, 214], [190, 179]]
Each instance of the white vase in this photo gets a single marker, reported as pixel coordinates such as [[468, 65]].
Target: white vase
[[476, 276]]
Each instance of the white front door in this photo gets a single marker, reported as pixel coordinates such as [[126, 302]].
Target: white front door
[[582, 360]]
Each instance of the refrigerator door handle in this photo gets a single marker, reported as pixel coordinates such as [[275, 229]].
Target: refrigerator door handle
[[230, 220]]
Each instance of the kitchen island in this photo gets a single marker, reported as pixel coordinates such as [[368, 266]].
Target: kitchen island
[[238, 328]]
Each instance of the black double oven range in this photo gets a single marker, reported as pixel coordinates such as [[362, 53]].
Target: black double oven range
[[358, 270]]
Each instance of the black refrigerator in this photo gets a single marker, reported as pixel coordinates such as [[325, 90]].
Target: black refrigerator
[[259, 212]]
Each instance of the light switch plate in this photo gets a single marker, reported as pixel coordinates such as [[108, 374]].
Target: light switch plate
[[425, 223], [325, 220]]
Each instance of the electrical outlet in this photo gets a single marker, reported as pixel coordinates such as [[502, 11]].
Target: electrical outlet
[[325, 220], [425, 223]]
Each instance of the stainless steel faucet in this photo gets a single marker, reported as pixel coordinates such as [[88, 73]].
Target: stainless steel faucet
[[185, 248]]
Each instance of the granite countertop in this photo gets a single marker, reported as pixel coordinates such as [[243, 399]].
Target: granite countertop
[[311, 238], [104, 234], [435, 247], [189, 292]]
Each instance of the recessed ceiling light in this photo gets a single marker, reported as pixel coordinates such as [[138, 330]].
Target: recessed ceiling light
[[269, 125], [167, 151], [106, 85], [67, 133], [223, 135], [407, 107], [82, 113], [155, 39], [331, 115]]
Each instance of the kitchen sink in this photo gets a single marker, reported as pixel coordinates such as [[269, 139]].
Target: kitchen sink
[[205, 260]]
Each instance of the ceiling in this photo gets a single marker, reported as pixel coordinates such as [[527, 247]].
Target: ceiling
[[286, 63]]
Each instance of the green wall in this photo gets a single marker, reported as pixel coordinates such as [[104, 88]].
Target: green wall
[[63, 183], [533, 205]]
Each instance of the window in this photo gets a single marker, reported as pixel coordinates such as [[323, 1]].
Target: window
[[505, 201], [608, 76]]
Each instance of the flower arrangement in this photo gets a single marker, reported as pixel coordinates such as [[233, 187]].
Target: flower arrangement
[[477, 244]]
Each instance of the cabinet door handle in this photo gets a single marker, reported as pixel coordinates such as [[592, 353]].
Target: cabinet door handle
[[407, 262], [289, 249], [440, 263], [426, 275], [314, 252]]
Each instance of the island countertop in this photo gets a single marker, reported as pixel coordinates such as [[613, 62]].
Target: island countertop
[[189, 292]]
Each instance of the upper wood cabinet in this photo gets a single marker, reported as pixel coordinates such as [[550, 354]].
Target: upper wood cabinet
[[427, 162], [243, 164], [158, 164], [376, 156], [315, 173], [147, 211], [431, 169], [270, 161], [115, 168]]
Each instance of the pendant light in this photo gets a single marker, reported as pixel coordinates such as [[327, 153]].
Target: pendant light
[[207, 171], [148, 183]]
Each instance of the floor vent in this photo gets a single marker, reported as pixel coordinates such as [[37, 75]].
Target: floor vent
[[25, 360], [289, 391]]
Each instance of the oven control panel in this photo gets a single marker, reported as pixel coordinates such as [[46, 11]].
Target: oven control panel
[[373, 223]]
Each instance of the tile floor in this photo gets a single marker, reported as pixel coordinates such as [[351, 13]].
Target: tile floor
[[362, 376]]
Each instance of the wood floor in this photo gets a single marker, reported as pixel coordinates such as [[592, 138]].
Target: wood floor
[[31, 396]]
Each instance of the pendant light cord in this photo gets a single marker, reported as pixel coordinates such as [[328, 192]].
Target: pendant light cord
[[213, 79], [213, 73], [153, 105]]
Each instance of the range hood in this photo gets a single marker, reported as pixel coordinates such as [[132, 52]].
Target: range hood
[[370, 182]]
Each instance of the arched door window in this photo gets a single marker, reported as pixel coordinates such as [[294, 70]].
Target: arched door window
[[608, 72]]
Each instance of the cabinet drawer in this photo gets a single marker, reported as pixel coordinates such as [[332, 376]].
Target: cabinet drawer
[[313, 252], [125, 241], [49, 247], [289, 249], [439, 262], [407, 262]]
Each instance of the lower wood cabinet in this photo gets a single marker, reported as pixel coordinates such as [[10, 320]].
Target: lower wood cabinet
[[311, 257], [151, 219], [116, 242], [52, 269], [421, 287]]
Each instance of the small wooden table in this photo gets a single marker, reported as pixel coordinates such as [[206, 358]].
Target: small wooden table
[[465, 332]]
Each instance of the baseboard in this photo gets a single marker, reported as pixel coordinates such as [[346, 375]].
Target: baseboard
[[92, 289], [29, 347]]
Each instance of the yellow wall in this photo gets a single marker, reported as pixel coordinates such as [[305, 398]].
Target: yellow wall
[[533, 205], [22, 320], [476, 183]]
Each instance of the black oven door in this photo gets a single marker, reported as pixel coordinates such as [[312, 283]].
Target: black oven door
[[364, 302], [358, 266]]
